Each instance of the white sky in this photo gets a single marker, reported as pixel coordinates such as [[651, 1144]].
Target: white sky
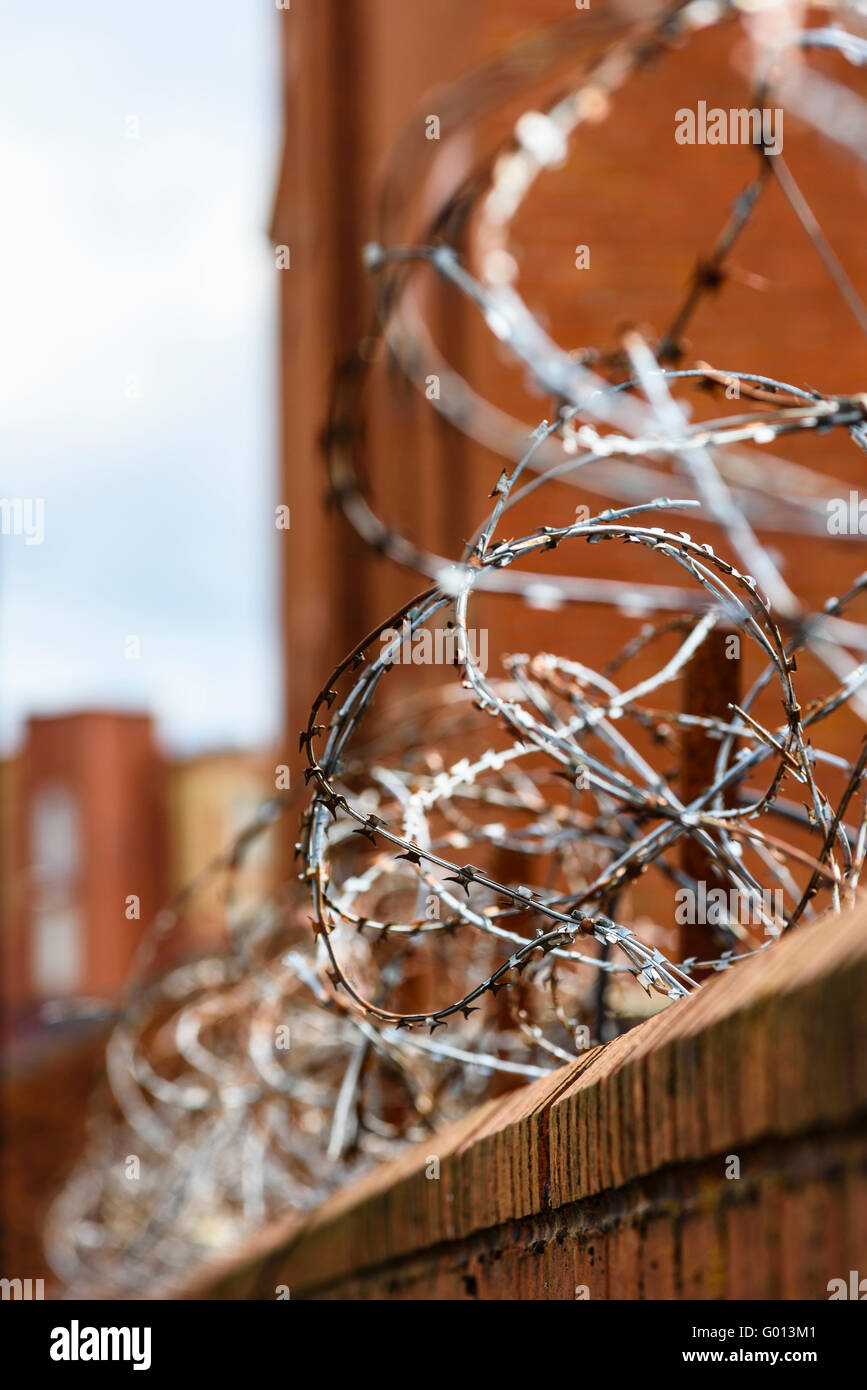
[[140, 265]]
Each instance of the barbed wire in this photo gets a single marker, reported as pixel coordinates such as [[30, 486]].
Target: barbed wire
[[497, 857]]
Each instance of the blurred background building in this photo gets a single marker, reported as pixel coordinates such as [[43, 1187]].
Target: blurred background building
[[100, 830]]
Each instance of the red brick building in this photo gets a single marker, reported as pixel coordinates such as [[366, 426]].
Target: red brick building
[[361, 75], [88, 857], [100, 828]]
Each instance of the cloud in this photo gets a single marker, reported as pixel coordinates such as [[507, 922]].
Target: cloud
[[139, 155]]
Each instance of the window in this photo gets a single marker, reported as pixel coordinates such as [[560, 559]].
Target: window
[[54, 834], [56, 944]]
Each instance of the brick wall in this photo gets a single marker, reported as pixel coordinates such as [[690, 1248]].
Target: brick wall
[[359, 75], [612, 1177]]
